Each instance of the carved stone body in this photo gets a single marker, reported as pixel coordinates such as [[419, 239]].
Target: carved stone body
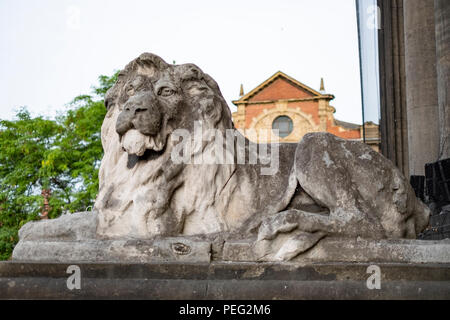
[[322, 186]]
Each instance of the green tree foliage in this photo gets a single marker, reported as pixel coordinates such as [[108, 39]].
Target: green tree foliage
[[62, 155]]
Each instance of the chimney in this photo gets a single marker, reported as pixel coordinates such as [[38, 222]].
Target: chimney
[[241, 91], [322, 86]]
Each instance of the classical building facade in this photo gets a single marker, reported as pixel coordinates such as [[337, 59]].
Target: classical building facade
[[284, 103]]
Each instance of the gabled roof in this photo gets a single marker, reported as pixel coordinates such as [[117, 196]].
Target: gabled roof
[[277, 75]]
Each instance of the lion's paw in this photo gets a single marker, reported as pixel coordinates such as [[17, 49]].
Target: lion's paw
[[297, 244]]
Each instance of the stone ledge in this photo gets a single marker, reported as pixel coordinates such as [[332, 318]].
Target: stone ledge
[[30, 280], [138, 251], [352, 250], [190, 249]]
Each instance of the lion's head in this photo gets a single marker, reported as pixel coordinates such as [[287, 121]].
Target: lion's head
[[149, 101], [155, 98]]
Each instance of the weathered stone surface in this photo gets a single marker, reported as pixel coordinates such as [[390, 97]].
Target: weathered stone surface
[[78, 226], [131, 251], [365, 193], [285, 200], [286, 246]]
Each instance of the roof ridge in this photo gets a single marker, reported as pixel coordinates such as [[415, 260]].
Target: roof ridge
[[346, 123], [271, 79]]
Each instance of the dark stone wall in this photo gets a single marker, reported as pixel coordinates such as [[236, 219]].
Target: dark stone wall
[[224, 281]]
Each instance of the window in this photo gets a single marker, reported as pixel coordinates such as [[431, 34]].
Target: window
[[284, 125]]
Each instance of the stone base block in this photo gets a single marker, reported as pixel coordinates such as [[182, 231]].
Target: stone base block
[[132, 251]]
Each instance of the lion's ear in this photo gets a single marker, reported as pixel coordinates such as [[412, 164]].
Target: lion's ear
[[188, 72], [150, 65]]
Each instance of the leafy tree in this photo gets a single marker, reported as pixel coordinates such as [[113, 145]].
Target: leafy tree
[[61, 155], [23, 144]]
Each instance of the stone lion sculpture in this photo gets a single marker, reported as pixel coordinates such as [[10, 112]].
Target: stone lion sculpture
[[323, 186]]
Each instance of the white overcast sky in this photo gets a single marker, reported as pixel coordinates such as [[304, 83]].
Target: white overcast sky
[[54, 50]]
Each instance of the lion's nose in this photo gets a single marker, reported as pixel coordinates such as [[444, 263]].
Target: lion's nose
[[140, 112], [135, 109]]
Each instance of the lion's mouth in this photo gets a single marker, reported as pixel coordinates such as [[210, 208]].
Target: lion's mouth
[[134, 142]]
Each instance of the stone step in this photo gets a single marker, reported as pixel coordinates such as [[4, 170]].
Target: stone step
[[26, 280]]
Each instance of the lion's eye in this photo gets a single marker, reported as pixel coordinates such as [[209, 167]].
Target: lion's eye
[[130, 90], [165, 92]]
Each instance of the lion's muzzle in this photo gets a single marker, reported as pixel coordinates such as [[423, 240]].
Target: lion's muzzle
[[139, 124], [140, 112]]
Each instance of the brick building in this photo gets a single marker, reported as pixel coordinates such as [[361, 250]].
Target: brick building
[[283, 103]]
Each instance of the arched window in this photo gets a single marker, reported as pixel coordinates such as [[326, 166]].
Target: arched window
[[284, 125]]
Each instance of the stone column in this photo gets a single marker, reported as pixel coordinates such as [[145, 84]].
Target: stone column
[[393, 122], [421, 84], [442, 22]]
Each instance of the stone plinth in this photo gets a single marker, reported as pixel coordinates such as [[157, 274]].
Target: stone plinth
[[221, 280]]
